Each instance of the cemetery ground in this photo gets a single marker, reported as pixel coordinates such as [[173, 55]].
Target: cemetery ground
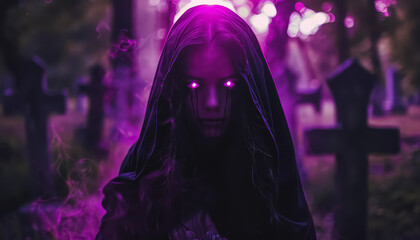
[[394, 196]]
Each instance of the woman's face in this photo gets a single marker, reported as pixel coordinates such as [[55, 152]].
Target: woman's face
[[210, 78]]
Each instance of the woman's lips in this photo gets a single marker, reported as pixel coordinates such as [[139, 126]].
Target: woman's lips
[[211, 122]]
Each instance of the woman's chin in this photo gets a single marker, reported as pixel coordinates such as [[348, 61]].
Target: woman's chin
[[212, 132]]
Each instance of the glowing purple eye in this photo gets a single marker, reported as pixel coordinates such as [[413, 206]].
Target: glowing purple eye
[[229, 84], [193, 85]]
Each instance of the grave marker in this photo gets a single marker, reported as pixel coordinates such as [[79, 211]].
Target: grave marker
[[95, 91], [414, 99], [312, 96], [377, 101], [36, 103], [394, 91], [81, 98], [351, 142]]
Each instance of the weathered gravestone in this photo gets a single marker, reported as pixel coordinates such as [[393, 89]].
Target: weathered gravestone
[[311, 95], [414, 99], [35, 102], [377, 100], [81, 98], [394, 93], [126, 75], [95, 90], [123, 59], [351, 141]]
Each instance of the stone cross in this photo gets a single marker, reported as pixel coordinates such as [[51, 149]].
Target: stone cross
[[95, 91], [351, 141], [36, 103]]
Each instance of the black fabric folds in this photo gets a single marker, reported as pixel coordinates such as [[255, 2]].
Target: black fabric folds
[[123, 200]]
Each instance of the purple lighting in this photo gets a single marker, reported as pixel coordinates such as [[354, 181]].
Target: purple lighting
[[122, 45], [229, 84], [349, 22], [299, 6], [260, 22], [294, 23], [239, 2], [244, 11], [184, 5], [311, 24], [259, 18], [326, 6], [382, 6], [269, 9], [307, 22], [332, 17], [125, 44], [193, 85]]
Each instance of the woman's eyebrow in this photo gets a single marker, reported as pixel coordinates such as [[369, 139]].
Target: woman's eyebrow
[[230, 77], [187, 76]]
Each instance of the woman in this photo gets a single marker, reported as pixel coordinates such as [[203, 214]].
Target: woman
[[214, 158]]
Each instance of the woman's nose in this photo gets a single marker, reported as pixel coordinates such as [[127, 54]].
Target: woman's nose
[[212, 102]]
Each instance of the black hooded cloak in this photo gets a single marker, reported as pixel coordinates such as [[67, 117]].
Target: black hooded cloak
[[271, 205]]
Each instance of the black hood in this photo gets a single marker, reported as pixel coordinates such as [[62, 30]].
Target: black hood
[[291, 212]]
